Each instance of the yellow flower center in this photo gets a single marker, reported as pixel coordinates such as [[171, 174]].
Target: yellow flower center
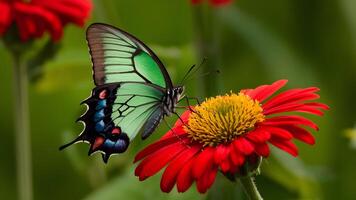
[[220, 119]]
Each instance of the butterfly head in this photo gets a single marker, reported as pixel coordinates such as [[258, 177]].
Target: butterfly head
[[179, 91]]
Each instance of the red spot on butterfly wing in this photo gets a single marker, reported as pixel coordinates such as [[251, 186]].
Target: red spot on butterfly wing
[[97, 143], [103, 94], [116, 131]]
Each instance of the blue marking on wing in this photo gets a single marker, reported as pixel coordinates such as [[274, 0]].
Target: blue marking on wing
[[99, 127], [120, 144], [101, 104], [109, 144], [99, 115]]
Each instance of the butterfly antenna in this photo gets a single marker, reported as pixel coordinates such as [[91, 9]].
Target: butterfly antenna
[[187, 73], [205, 74], [201, 64], [191, 72]]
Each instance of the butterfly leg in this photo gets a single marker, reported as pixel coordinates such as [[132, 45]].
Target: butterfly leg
[[193, 98], [187, 101], [180, 119], [185, 124]]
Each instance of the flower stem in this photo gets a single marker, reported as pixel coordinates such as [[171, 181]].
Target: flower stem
[[206, 32], [250, 188], [22, 129]]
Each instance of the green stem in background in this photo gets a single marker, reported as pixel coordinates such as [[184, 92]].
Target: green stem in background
[[250, 188], [206, 33], [22, 129]]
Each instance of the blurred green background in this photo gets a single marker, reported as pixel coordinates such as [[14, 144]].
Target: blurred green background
[[311, 43]]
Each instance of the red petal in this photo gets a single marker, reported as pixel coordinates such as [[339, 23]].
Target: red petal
[[221, 153], [30, 25], [225, 165], [293, 95], [220, 2], [293, 107], [237, 157], [289, 120], [185, 179], [262, 149], [51, 22], [178, 127], [318, 105], [263, 92], [75, 11], [243, 145], [170, 174], [278, 132], [54, 25], [285, 145], [158, 160], [203, 162], [5, 17], [301, 134], [258, 136], [234, 168], [41, 28], [155, 147], [23, 32], [176, 131], [252, 92], [205, 182]]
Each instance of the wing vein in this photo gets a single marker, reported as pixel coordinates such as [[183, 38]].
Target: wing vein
[[112, 43], [99, 49], [123, 116], [111, 33]]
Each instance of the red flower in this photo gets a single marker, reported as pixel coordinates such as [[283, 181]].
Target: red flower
[[213, 2], [5, 17], [35, 17], [225, 132]]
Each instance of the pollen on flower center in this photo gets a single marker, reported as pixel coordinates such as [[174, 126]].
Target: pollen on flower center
[[220, 119]]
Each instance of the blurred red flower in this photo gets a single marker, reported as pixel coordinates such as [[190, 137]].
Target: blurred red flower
[[226, 132], [34, 17], [213, 2]]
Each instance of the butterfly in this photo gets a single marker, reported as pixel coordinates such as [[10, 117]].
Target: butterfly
[[133, 92]]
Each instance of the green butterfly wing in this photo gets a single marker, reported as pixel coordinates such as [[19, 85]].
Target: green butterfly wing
[[119, 57], [134, 105]]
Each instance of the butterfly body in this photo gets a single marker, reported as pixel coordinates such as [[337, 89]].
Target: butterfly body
[[133, 92]]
